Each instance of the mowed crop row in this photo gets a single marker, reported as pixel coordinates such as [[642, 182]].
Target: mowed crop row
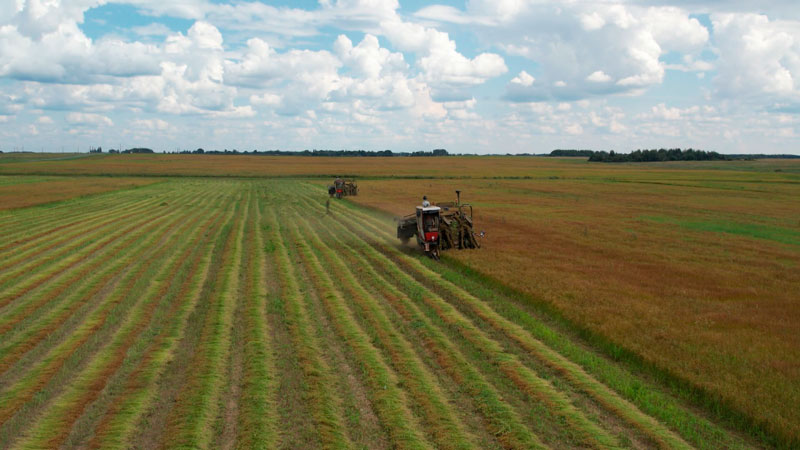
[[222, 314]]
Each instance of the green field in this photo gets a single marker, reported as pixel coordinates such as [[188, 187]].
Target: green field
[[236, 313]]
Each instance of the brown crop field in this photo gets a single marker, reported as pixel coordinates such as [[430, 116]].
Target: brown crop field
[[218, 305], [20, 192]]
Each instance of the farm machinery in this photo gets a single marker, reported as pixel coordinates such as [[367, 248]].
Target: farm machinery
[[341, 188], [439, 227]]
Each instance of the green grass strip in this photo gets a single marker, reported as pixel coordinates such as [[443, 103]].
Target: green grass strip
[[22, 246], [257, 427], [15, 344]]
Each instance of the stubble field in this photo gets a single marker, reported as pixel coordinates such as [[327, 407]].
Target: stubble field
[[235, 313]]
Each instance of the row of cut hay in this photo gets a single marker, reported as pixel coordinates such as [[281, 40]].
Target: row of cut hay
[[257, 420], [500, 418], [226, 424], [32, 329], [435, 409], [99, 364], [137, 392], [190, 423], [45, 269], [80, 274], [324, 404], [67, 352], [387, 397], [574, 373], [19, 226], [18, 327], [26, 258], [46, 324], [27, 245], [158, 303]]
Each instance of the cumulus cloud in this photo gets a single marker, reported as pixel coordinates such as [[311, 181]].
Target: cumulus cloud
[[367, 72], [588, 49], [758, 57], [443, 67]]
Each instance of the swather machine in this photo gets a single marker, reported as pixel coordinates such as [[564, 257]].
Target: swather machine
[[440, 227]]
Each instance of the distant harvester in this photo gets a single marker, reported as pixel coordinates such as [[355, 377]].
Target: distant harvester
[[341, 188]]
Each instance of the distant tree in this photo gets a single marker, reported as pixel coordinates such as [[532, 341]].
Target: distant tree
[[138, 150]]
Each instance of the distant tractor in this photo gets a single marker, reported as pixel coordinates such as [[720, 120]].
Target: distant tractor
[[341, 188], [440, 227]]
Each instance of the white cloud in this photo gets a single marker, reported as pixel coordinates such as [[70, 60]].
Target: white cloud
[[151, 124], [88, 119], [598, 76], [757, 57], [442, 65], [523, 79]]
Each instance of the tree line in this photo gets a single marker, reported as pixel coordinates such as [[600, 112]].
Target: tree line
[[652, 155], [200, 151]]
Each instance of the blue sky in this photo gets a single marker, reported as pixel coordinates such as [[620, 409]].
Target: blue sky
[[475, 76]]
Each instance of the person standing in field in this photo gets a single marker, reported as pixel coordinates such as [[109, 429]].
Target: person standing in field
[[328, 206], [425, 202]]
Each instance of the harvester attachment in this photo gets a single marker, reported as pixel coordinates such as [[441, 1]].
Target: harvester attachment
[[439, 227], [342, 188]]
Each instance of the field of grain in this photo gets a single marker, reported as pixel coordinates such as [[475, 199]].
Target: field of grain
[[24, 191], [210, 313]]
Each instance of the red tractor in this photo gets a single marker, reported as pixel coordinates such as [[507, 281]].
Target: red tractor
[[439, 227]]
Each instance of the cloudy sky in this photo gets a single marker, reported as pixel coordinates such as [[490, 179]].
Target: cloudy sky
[[474, 76]]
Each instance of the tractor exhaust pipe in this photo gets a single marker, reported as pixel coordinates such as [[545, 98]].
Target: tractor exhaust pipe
[[458, 197]]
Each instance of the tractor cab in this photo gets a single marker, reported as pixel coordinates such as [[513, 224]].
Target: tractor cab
[[338, 185], [428, 227]]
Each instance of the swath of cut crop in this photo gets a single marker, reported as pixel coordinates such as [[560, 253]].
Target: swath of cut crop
[[323, 403], [502, 420], [190, 422], [522, 376], [116, 428], [257, 419], [437, 415], [53, 427], [43, 325], [388, 399], [104, 316], [85, 268]]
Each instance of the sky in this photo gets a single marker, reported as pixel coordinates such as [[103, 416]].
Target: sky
[[474, 76]]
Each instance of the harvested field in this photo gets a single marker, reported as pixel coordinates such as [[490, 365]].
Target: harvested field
[[21, 192], [210, 313]]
